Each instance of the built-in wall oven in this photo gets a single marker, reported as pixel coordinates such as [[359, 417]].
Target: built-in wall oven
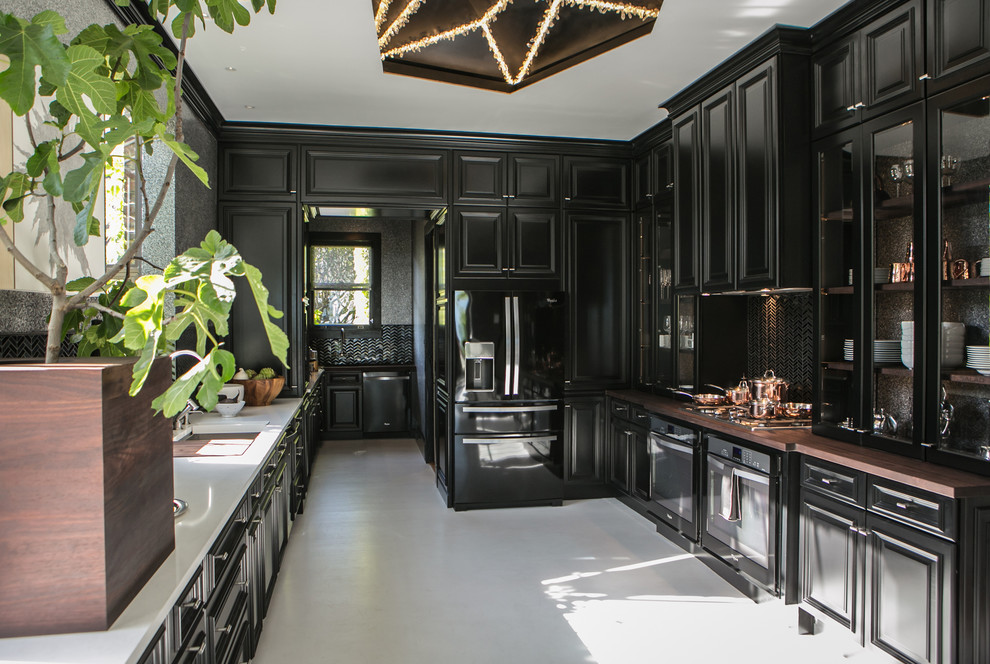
[[675, 475], [742, 520]]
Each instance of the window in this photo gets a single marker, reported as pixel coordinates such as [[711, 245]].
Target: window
[[122, 204], [344, 280]]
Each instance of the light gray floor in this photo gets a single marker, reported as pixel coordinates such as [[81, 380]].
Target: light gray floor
[[378, 570]]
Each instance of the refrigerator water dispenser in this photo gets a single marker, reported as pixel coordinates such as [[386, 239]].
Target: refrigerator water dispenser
[[479, 360]]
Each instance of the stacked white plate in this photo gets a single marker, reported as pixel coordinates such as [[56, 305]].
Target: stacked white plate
[[881, 275], [978, 357], [982, 267], [886, 350], [847, 350], [953, 344]]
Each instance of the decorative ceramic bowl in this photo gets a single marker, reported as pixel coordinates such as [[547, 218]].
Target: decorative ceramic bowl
[[229, 408], [261, 392]]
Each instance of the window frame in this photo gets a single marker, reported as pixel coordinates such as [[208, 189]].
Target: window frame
[[346, 239]]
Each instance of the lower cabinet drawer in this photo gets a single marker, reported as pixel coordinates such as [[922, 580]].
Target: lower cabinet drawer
[[188, 612], [838, 482], [914, 507], [197, 651], [228, 608]]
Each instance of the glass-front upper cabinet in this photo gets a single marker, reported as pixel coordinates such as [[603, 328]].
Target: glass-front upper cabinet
[[960, 124], [838, 189], [686, 358], [894, 269]]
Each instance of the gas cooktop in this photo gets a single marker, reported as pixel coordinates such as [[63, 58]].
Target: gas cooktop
[[739, 415]]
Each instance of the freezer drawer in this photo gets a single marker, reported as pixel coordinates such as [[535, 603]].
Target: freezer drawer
[[386, 401], [505, 471], [507, 418]]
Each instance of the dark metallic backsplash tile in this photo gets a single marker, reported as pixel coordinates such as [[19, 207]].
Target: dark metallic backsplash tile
[[394, 347], [28, 346], [781, 336]]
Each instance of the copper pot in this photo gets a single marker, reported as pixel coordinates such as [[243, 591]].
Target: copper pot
[[793, 409], [704, 399], [739, 395], [761, 409], [769, 387]]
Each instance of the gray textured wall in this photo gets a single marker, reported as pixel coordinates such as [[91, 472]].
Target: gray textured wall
[[195, 204], [397, 261]]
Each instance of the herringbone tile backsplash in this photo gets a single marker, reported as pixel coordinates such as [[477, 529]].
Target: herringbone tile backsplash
[[781, 336], [395, 346], [27, 346]]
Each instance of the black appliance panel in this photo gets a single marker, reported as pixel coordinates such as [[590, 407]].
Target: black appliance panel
[[673, 453], [508, 418], [508, 470], [508, 345]]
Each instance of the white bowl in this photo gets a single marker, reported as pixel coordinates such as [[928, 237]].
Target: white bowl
[[229, 408]]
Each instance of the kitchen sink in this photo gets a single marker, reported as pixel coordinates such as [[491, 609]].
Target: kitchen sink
[[213, 444]]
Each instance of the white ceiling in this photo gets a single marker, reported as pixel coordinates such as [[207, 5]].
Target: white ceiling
[[316, 62]]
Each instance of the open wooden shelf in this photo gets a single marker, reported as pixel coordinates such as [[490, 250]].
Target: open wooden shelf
[[969, 376], [975, 282], [838, 366], [893, 370], [966, 376], [839, 290], [899, 286]]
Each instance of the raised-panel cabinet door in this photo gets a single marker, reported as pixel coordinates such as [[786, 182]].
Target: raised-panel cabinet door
[[958, 40], [479, 178], [836, 85], [596, 182], [687, 201], [480, 243], [345, 409], [534, 244], [258, 172], [757, 172], [267, 236], [618, 464], [597, 285], [365, 178], [831, 553], [534, 180], [643, 180], [912, 607], [893, 58], [584, 461], [718, 209]]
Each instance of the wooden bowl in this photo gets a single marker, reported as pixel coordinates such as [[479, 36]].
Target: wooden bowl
[[261, 392]]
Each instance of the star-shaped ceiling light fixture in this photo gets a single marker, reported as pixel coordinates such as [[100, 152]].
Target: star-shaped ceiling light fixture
[[503, 45]]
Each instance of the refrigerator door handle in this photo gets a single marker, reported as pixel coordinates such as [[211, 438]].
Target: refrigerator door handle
[[508, 348], [516, 440], [517, 351], [508, 409]]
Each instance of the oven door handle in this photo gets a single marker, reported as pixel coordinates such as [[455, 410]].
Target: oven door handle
[[741, 471], [509, 409], [498, 441], [664, 441]]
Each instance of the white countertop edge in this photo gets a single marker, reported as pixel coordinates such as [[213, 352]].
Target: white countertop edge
[[219, 484]]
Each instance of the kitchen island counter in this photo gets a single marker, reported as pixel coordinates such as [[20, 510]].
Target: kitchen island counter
[[213, 488], [928, 476]]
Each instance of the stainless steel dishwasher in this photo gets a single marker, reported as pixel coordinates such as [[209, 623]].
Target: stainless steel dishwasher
[[385, 401]]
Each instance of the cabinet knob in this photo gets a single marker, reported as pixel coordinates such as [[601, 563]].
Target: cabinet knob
[[567, 198], [925, 77], [670, 185], [855, 107]]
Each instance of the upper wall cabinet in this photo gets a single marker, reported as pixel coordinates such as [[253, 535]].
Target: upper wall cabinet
[[596, 182], [486, 178], [405, 177], [871, 71], [492, 245], [958, 41], [259, 172], [741, 185]]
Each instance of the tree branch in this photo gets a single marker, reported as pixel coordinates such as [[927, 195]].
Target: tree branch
[[106, 310], [73, 152]]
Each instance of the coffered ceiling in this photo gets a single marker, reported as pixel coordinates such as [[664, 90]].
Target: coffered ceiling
[[318, 63]]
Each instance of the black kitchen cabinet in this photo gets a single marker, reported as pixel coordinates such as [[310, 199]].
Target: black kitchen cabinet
[[496, 245], [618, 455], [872, 71], [597, 286], [524, 180], [157, 651], [443, 452], [343, 402], [687, 201], [643, 297], [584, 450], [402, 177], [643, 181], [718, 209], [629, 455], [267, 235], [741, 179], [958, 41], [871, 561], [596, 183], [258, 172]]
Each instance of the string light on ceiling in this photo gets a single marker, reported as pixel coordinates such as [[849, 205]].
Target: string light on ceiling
[[502, 44]]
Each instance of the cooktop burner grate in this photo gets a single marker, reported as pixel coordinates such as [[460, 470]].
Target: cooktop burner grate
[[739, 415]]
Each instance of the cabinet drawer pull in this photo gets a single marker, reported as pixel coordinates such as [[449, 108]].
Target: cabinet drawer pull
[[925, 77], [195, 605], [225, 630], [827, 481], [902, 505], [222, 557]]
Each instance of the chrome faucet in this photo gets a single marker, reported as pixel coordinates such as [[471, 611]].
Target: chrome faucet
[[181, 427]]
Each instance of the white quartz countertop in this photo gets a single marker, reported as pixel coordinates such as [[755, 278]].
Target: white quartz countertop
[[213, 487]]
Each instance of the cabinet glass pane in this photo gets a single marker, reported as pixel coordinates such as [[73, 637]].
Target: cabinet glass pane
[[664, 256], [686, 359], [964, 200], [840, 246], [893, 283], [644, 296]]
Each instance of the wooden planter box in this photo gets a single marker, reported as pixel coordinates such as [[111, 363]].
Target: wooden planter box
[[85, 493]]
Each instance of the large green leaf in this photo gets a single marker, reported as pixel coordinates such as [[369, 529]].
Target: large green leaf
[[276, 337], [204, 372], [226, 12], [185, 153], [13, 190], [85, 86], [45, 156], [29, 45], [146, 47], [82, 182]]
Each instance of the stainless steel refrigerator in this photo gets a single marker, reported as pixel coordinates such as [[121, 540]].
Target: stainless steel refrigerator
[[508, 386]]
